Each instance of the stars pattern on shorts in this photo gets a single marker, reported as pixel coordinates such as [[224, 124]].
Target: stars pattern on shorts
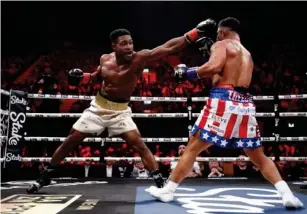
[[224, 142], [210, 137], [205, 136]]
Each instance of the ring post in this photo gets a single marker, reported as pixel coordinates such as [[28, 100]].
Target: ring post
[[276, 128], [15, 135]]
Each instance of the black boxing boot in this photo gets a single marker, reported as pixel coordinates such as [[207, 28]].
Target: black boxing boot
[[157, 177], [43, 180]]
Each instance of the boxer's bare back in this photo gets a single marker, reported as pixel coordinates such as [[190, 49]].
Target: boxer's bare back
[[237, 66]]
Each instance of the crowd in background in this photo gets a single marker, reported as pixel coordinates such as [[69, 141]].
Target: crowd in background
[[280, 72]]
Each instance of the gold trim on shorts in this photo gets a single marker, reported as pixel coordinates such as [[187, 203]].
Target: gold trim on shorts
[[106, 104]]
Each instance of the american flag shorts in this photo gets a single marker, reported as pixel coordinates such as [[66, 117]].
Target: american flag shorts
[[228, 120]]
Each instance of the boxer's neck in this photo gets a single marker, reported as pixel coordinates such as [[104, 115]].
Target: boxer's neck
[[233, 36], [120, 60]]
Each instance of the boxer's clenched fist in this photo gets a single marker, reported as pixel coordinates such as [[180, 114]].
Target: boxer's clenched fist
[[76, 76], [182, 72], [204, 45], [203, 29]]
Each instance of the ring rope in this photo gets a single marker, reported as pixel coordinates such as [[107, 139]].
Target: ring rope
[[178, 139], [183, 139], [162, 115], [161, 99], [4, 112], [97, 139], [137, 115], [158, 159], [5, 92]]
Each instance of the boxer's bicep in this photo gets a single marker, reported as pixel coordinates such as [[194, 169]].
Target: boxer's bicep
[[97, 76]]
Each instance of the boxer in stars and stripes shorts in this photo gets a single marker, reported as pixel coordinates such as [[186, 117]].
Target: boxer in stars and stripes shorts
[[229, 119]]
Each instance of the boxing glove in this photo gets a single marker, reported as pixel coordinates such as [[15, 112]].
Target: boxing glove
[[204, 45], [182, 72], [76, 76], [205, 28]]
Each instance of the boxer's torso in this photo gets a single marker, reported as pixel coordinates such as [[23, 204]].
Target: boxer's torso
[[119, 81], [239, 65]]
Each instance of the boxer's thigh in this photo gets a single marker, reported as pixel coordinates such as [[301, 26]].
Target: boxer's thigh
[[121, 124], [196, 144], [128, 131], [90, 123], [134, 141]]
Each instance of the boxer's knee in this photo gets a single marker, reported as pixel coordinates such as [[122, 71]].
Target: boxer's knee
[[257, 156], [134, 140]]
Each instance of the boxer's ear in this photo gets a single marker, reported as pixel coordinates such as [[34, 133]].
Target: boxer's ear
[[113, 46], [224, 32]]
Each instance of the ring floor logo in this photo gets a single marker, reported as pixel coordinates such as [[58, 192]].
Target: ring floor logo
[[26, 184], [31, 204], [220, 199]]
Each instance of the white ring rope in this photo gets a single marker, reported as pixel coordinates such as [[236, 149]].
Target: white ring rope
[[293, 114], [82, 97], [162, 115], [4, 112], [97, 139], [177, 139], [161, 99], [158, 159], [136, 115], [5, 92]]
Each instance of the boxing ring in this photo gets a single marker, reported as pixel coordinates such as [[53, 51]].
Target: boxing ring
[[193, 197]]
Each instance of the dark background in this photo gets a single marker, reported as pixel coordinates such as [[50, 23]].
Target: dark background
[[41, 26]]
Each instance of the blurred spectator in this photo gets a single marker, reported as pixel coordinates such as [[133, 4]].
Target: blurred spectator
[[139, 171], [195, 172], [215, 170], [242, 168]]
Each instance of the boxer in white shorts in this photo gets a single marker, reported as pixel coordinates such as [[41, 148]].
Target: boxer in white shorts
[[118, 72], [104, 114]]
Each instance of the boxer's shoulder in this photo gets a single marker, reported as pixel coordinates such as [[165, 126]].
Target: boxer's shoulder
[[105, 58], [220, 44]]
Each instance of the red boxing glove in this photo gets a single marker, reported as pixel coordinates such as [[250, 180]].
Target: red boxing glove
[[204, 29]]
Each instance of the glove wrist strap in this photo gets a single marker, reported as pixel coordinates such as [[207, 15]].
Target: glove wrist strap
[[86, 78], [192, 73], [192, 35]]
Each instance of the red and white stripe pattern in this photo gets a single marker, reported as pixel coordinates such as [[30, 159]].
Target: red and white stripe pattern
[[228, 120]]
